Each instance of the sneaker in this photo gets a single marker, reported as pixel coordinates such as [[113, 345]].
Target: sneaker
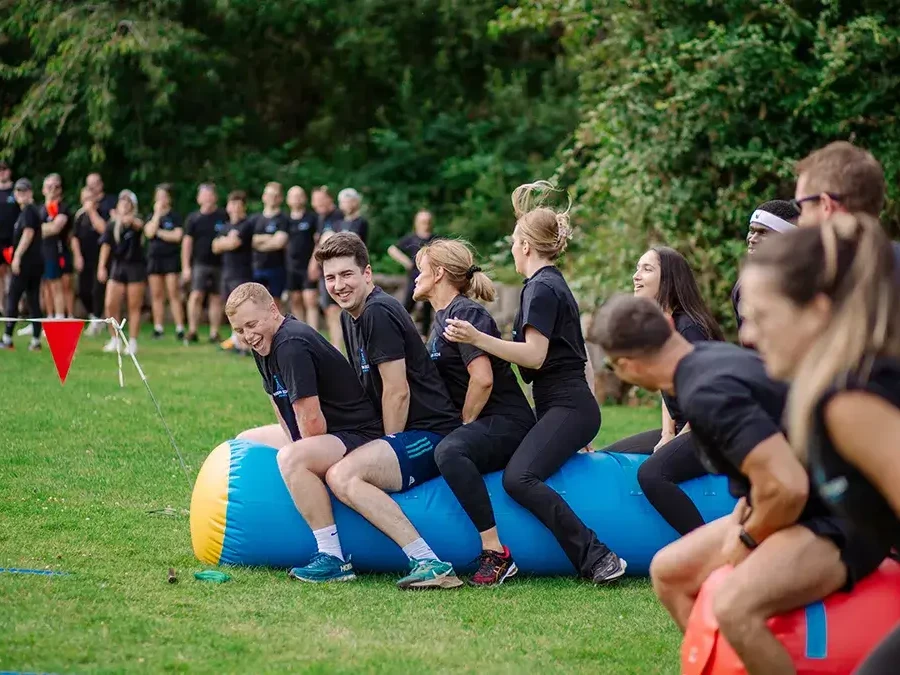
[[131, 349], [213, 338], [179, 335], [35, 345], [429, 574], [158, 334], [191, 339], [93, 329], [111, 346], [494, 568], [609, 568], [27, 330], [324, 567]]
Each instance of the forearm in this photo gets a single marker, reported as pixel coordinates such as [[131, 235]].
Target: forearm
[[520, 353], [172, 237], [477, 396], [399, 256], [76, 247], [24, 243], [395, 410], [104, 256], [668, 424], [775, 507], [186, 250], [50, 229]]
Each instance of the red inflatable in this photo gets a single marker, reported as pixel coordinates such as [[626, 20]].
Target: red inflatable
[[826, 638]]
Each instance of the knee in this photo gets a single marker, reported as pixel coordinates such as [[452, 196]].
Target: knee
[[648, 474], [339, 479], [448, 453], [517, 482], [735, 611], [666, 573]]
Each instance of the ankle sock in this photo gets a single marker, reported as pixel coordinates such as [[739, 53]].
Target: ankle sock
[[328, 541], [419, 550]]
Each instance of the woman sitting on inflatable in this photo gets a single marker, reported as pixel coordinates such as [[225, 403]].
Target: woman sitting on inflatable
[[824, 313]]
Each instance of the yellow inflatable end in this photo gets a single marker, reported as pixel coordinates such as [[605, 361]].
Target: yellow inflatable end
[[209, 505]]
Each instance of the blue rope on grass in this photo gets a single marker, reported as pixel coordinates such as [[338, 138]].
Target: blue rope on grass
[[44, 573]]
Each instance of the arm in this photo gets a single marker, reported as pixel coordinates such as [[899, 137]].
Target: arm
[[394, 395], [102, 273], [172, 237], [399, 256], [310, 419], [77, 257], [187, 250], [97, 221], [270, 242], [668, 424], [55, 226], [151, 229], [24, 243], [528, 354], [284, 428], [481, 383], [229, 242]]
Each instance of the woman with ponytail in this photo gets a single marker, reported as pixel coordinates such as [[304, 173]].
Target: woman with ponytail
[[549, 349], [495, 413], [824, 311]]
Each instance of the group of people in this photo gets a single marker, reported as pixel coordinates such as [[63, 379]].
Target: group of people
[[803, 417]]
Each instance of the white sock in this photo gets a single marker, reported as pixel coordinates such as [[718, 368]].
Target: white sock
[[179, 329], [328, 541], [59, 316], [419, 550], [158, 328]]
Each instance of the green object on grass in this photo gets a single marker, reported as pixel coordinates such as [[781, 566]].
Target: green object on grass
[[212, 575]]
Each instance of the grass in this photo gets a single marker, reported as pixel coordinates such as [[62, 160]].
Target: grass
[[82, 469]]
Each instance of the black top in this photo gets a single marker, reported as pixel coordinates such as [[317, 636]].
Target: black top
[[130, 246], [239, 262], [385, 332], [106, 205], [896, 245], [55, 245], [410, 245], [841, 485], [157, 248], [269, 260], [203, 228], [358, 225], [9, 214], [453, 358], [301, 364], [29, 219], [330, 222], [548, 306], [693, 333], [301, 242], [87, 236], [736, 303]]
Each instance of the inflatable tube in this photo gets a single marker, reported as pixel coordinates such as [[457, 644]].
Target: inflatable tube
[[241, 513], [831, 637]]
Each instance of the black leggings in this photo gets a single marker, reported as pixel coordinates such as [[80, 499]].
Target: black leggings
[[30, 287], [474, 449], [560, 432], [885, 658], [659, 475]]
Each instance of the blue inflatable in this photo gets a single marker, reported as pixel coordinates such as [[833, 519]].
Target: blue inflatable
[[242, 514]]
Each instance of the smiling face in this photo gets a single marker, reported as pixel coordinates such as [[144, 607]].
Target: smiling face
[[206, 198], [647, 276], [256, 325], [347, 284], [426, 280]]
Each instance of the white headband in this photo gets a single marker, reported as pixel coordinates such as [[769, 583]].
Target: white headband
[[771, 221]]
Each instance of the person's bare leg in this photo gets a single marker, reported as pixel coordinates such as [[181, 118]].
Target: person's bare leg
[[157, 298], [56, 301], [175, 303], [333, 319], [270, 434], [195, 307], [215, 313], [115, 292], [303, 465], [790, 569], [311, 302], [679, 570], [136, 294], [490, 540]]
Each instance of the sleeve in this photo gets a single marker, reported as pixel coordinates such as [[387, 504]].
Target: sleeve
[[482, 322], [176, 220], [189, 225], [405, 244], [283, 224], [693, 333], [107, 236], [298, 372], [539, 308], [383, 337], [363, 230], [32, 220]]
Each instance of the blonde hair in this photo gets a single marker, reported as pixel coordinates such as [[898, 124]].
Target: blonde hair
[[275, 186], [455, 257], [547, 231], [249, 292], [849, 260]]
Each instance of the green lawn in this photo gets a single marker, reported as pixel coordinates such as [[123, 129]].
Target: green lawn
[[84, 467]]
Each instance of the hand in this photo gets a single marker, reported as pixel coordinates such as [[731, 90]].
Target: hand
[[16, 265], [186, 275], [665, 438], [90, 206], [102, 274], [458, 330], [157, 210], [734, 551], [78, 261]]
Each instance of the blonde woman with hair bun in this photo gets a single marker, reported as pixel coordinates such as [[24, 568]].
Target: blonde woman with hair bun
[[495, 413], [549, 349]]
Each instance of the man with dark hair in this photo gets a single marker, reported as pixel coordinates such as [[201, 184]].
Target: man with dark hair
[[786, 547], [270, 238], [403, 383], [236, 249], [9, 213]]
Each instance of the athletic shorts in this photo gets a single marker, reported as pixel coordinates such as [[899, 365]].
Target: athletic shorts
[[128, 272], [860, 555], [353, 439], [274, 279], [415, 453], [169, 264], [230, 282], [58, 265], [206, 278], [298, 280]]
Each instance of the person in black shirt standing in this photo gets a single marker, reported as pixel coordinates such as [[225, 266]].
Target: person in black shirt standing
[[164, 232], [786, 548], [9, 214], [236, 249], [396, 372], [55, 231], [270, 238], [89, 227], [549, 349], [322, 411], [404, 252], [200, 266], [349, 201], [27, 264], [826, 317], [104, 204], [301, 243], [495, 413], [329, 219]]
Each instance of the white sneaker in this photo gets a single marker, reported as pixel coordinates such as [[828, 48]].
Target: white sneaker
[[27, 330], [111, 346], [132, 346], [93, 329]]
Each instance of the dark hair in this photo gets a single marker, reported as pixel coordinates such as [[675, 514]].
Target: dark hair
[[344, 245], [678, 291], [781, 208], [165, 187], [323, 189], [629, 325], [237, 196]]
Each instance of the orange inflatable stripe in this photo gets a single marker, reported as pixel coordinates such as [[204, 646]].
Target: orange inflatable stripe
[[209, 506]]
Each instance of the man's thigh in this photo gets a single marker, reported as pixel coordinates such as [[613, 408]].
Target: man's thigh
[[316, 454], [376, 463], [270, 434], [692, 558]]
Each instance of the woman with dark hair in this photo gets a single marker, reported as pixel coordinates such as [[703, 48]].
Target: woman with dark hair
[[665, 276]]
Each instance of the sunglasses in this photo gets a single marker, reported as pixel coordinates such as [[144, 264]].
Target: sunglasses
[[797, 203]]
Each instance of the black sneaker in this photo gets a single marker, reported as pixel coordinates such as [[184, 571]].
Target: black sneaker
[[494, 568], [157, 334], [179, 335], [608, 569], [214, 338], [191, 339]]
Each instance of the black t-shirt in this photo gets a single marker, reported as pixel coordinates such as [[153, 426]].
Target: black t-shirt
[[106, 205], [841, 485], [239, 262], [269, 260], [301, 241], [129, 248], [87, 236], [203, 228], [330, 222], [56, 245], [410, 245], [301, 364], [29, 219], [693, 333], [358, 225], [548, 306], [453, 358], [9, 214], [157, 248], [384, 332]]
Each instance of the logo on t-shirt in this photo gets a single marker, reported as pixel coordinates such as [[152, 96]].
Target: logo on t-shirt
[[280, 390], [363, 362], [11, 199], [219, 227], [271, 227], [434, 351], [302, 226], [168, 224]]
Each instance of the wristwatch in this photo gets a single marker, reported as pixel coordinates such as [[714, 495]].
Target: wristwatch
[[747, 540]]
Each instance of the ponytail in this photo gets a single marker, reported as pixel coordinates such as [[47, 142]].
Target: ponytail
[[456, 259], [548, 231]]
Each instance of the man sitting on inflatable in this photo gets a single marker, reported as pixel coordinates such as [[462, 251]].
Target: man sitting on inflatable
[[787, 549]]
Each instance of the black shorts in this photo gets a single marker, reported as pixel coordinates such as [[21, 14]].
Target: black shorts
[[273, 278], [169, 264], [353, 439], [206, 278], [860, 555], [231, 281], [298, 280], [58, 265], [128, 272]]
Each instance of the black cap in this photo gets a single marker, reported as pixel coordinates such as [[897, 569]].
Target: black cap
[[22, 184]]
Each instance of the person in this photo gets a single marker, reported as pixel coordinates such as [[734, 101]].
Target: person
[[301, 243], [122, 251], [55, 231], [270, 238], [27, 264], [103, 204], [9, 214], [328, 219], [664, 276], [200, 266], [549, 349], [827, 319], [89, 226], [404, 252], [322, 411], [349, 202], [236, 249], [164, 232], [777, 216], [395, 371], [496, 415], [786, 548]]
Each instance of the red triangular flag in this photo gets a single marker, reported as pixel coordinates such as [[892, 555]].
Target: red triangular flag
[[63, 336]]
